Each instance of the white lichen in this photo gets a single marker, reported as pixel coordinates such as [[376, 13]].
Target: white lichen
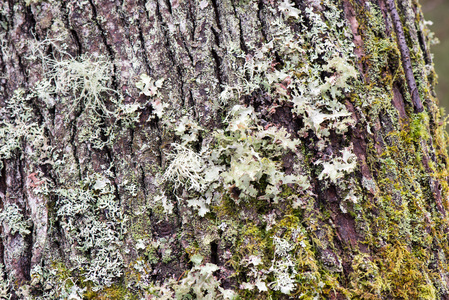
[[338, 167], [79, 210], [199, 282], [13, 221]]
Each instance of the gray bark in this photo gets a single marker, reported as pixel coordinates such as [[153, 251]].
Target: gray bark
[[345, 196]]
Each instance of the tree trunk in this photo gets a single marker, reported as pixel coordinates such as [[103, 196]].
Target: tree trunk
[[266, 149]]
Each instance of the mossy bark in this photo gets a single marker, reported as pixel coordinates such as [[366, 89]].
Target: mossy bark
[[376, 231]]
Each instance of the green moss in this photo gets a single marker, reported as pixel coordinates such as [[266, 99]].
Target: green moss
[[419, 127], [114, 292], [277, 237]]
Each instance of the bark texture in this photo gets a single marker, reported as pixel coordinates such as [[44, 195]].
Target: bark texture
[[261, 149]]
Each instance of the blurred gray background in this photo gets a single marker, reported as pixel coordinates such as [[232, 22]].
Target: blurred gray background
[[437, 11]]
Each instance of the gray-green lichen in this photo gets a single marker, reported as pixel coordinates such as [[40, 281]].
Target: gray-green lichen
[[273, 201]]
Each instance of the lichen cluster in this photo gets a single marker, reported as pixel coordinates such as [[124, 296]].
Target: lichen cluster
[[241, 166], [344, 198], [88, 211]]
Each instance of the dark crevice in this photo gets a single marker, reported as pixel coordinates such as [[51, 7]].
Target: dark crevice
[[198, 145], [143, 48], [114, 81], [242, 40], [74, 152], [142, 180], [300, 4], [11, 12], [424, 49], [48, 171], [109, 49], [26, 261], [170, 53], [2, 255], [182, 38], [21, 171], [34, 105], [3, 90], [192, 104], [131, 136], [187, 50], [77, 42], [160, 152], [65, 18], [178, 69], [52, 112], [217, 14], [3, 187], [216, 36], [57, 230], [141, 35], [114, 172], [22, 66], [192, 18], [142, 53], [73, 127], [260, 8], [218, 72], [29, 17], [405, 56], [214, 253], [3, 184], [169, 6]]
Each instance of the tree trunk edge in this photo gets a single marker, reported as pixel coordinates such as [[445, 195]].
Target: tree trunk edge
[[354, 129]]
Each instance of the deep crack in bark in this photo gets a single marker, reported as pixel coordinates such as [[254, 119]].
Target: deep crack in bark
[[405, 55]]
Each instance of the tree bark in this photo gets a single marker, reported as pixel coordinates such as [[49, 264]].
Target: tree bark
[[268, 149]]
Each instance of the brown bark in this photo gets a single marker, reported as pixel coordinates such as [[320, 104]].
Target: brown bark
[[81, 177]]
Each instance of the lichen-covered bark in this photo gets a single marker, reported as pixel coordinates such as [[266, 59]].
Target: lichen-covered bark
[[220, 149]]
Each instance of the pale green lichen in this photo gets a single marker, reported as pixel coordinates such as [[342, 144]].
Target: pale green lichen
[[12, 218], [239, 158], [149, 88], [241, 163], [17, 126], [199, 282], [78, 82], [4, 285], [78, 211], [283, 267], [279, 241], [338, 167], [86, 78], [82, 84]]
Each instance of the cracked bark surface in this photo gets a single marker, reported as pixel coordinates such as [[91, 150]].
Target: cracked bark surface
[[187, 42]]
